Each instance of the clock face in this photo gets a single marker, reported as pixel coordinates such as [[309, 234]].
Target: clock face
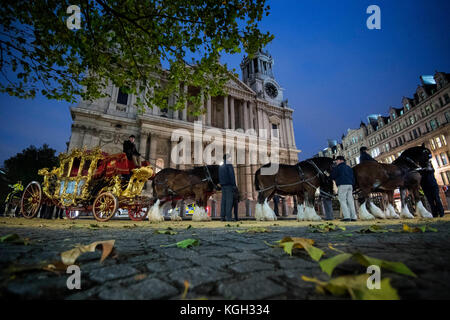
[[271, 90]]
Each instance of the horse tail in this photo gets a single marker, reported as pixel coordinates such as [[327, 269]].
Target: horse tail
[[257, 180]]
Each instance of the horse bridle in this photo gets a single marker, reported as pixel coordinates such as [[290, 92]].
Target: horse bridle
[[209, 178]]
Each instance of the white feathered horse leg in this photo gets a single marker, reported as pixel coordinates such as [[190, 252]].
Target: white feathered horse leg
[[392, 212], [268, 213], [364, 214], [375, 211], [155, 214], [200, 214], [258, 212], [300, 212], [405, 214], [310, 213], [421, 211]]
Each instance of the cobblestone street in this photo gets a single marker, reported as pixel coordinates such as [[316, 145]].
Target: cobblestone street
[[226, 264]]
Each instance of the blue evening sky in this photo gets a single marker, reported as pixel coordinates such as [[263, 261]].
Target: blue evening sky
[[334, 70]]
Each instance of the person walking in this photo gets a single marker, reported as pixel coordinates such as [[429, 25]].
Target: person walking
[[342, 174], [227, 181], [364, 156], [430, 188]]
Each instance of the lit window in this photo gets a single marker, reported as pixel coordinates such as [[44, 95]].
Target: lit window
[[443, 159], [433, 146], [438, 142], [444, 140]]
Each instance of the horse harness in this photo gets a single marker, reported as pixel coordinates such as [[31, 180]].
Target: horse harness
[[301, 176], [174, 192]]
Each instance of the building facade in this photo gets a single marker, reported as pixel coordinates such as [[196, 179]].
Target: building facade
[[423, 118], [253, 109]]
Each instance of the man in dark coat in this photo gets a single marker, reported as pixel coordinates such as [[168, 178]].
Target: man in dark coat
[[364, 156], [129, 148], [227, 181], [343, 175], [431, 190]]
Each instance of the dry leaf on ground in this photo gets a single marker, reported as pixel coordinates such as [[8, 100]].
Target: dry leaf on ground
[[69, 257]]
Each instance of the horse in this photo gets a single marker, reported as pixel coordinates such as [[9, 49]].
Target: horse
[[301, 180], [171, 184], [403, 173]]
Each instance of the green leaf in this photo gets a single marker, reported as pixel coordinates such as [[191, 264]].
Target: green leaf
[[398, 267], [356, 287], [314, 253], [188, 243], [328, 265], [373, 229], [254, 230], [168, 231], [15, 238]]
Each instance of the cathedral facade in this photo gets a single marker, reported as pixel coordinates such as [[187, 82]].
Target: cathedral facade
[[254, 108]]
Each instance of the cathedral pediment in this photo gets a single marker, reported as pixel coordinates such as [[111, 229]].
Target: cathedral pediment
[[237, 84]]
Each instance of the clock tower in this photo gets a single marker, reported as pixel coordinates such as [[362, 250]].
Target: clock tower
[[257, 73]]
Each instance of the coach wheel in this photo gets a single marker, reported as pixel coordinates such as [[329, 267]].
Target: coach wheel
[[31, 200], [136, 213], [105, 206]]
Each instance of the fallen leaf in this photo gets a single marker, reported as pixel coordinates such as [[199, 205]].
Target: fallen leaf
[[141, 276], [186, 288], [328, 265], [167, 231], [373, 229], [290, 243], [356, 287], [69, 257], [187, 243], [398, 267], [254, 230], [325, 227], [15, 239], [422, 228]]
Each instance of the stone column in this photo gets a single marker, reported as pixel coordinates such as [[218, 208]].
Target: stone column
[[245, 106], [248, 179], [208, 111], [173, 144], [185, 104], [291, 129], [143, 143], [153, 143], [203, 115], [175, 112], [288, 133], [232, 116], [225, 111]]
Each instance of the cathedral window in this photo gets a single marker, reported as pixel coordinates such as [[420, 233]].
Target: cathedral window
[[122, 97], [275, 130]]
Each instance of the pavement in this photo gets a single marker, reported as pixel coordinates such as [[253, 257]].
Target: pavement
[[225, 265]]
